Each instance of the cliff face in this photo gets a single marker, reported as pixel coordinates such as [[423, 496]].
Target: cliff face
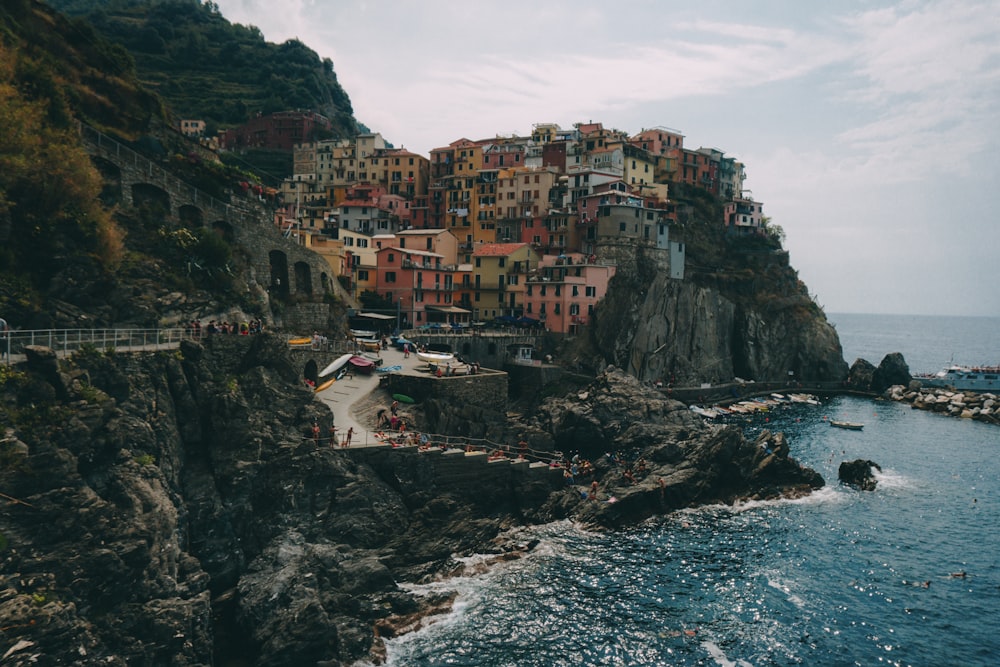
[[173, 509], [657, 328]]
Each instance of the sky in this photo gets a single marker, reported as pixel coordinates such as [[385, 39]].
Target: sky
[[870, 130]]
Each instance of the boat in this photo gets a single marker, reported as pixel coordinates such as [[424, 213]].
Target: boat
[[435, 357], [362, 365], [360, 333], [963, 378], [852, 426], [299, 342], [337, 364]]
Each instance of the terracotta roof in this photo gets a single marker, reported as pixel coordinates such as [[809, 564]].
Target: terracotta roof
[[497, 249]]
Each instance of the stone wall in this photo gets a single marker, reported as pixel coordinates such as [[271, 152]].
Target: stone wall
[[485, 390]]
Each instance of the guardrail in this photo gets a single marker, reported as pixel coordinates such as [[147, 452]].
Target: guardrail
[[67, 341]]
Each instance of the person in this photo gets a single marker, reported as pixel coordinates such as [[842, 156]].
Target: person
[[333, 435], [522, 445], [593, 490], [406, 350], [350, 434], [315, 430], [394, 408]]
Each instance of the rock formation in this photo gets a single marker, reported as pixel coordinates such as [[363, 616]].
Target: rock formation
[[859, 473], [658, 328], [170, 508]]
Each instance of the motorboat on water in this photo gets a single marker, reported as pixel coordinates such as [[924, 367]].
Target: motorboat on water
[[851, 426], [963, 378]]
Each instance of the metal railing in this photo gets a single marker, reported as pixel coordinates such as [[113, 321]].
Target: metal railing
[[68, 341]]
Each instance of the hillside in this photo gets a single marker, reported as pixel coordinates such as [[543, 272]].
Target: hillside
[[207, 68], [68, 257]]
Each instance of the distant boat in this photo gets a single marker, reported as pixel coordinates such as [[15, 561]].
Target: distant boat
[[435, 357], [337, 364], [963, 378], [852, 426]]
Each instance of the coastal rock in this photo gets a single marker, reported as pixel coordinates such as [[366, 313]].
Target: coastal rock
[[626, 422], [658, 328], [861, 375], [891, 371], [859, 473]]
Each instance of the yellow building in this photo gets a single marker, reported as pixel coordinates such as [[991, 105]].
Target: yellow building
[[499, 277]]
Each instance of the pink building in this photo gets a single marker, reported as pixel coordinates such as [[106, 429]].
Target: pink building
[[421, 283], [565, 290]]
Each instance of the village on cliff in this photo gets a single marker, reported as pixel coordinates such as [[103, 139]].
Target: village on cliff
[[521, 228]]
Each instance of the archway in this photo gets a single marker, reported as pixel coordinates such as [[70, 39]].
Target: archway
[[190, 216], [311, 371], [278, 284], [303, 278], [150, 197], [224, 230]]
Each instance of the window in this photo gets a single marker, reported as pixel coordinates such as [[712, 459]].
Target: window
[[557, 309], [503, 262], [390, 257], [591, 291], [362, 274], [621, 226], [390, 276], [576, 290]]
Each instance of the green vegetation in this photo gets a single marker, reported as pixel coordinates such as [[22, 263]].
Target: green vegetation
[[145, 459], [208, 68]]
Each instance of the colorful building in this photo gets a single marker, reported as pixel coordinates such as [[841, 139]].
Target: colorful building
[[499, 272], [563, 292]]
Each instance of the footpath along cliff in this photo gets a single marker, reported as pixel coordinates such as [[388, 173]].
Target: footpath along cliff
[[170, 508]]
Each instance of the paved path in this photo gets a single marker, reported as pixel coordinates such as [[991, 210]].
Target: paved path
[[343, 394]]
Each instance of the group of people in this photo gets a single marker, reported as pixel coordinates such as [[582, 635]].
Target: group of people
[[196, 330], [332, 436]]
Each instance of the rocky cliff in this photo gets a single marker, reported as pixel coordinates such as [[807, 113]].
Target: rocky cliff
[[171, 508], [713, 328]]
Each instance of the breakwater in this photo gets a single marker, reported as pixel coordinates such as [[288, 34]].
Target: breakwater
[[963, 404]]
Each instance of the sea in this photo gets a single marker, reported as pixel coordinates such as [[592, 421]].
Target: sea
[[908, 574]]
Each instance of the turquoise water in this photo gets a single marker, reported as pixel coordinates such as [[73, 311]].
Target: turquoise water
[[838, 578]]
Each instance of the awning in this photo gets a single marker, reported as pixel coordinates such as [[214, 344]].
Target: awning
[[448, 309]]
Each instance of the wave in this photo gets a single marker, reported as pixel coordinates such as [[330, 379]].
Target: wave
[[720, 658], [890, 479]]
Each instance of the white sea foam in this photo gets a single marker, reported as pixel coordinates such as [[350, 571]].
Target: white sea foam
[[720, 657], [890, 479], [783, 587]]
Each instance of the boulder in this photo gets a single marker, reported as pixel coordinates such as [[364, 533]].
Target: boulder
[[860, 376], [859, 473], [892, 370]]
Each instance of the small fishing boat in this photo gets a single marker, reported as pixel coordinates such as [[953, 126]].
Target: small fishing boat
[[851, 426], [435, 357], [336, 365]]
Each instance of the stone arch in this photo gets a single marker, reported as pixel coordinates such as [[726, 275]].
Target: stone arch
[[147, 195], [190, 216], [111, 177], [278, 284], [311, 371], [303, 278], [224, 230], [324, 282]]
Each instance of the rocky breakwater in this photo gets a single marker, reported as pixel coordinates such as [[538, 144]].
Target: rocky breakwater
[[651, 455], [963, 404]]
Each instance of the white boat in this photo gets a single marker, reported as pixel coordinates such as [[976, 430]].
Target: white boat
[[359, 333], [852, 426], [436, 357], [337, 364], [964, 378]]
